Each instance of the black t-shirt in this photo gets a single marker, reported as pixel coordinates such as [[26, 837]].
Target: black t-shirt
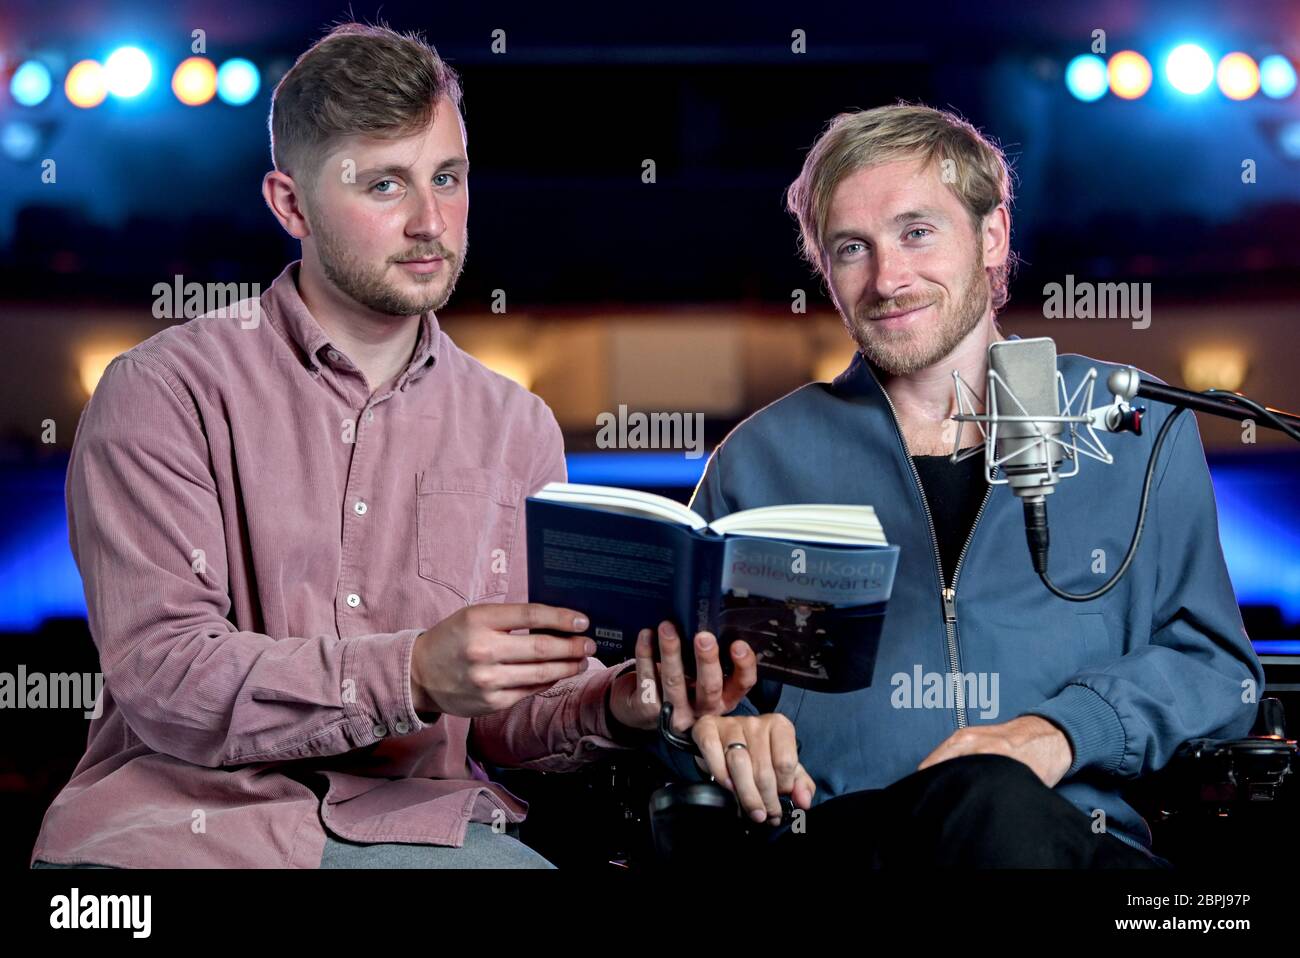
[[954, 493]]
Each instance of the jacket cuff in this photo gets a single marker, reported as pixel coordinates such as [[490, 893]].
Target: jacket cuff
[[1092, 726]]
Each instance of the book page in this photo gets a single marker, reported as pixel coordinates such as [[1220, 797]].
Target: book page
[[813, 522], [618, 499]]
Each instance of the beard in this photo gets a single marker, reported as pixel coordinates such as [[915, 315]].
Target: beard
[[903, 351], [369, 285]]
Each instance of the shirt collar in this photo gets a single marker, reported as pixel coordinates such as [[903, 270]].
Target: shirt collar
[[296, 323]]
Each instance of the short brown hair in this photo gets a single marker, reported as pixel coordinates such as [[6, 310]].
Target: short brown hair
[[853, 141], [357, 79]]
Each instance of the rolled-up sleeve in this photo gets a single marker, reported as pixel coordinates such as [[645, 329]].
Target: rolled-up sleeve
[[146, 529]]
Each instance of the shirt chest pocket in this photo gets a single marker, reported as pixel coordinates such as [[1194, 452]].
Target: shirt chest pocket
[[465, 523]]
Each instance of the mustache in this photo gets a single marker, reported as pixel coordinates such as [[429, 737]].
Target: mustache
[[901, 305], [441, 252]]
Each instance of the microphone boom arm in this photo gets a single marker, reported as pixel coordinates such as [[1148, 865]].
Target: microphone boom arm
[[1126, 384]]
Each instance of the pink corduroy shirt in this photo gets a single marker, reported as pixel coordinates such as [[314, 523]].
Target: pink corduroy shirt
[[261, 540]]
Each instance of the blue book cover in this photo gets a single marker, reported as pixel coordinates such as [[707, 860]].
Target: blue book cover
[[811, 611]]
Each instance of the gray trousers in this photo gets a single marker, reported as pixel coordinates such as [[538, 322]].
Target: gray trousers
[[483, 848]]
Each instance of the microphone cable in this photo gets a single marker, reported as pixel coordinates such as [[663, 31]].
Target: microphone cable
[[1259, 409], [1036, 526], [1036, 509]]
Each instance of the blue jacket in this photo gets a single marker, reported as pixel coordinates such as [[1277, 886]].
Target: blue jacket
[[1160, 659]]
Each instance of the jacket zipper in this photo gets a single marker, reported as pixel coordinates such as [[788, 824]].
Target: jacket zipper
[[947, 595]]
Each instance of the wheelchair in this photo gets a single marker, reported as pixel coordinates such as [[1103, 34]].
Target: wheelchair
[[1218, 803]]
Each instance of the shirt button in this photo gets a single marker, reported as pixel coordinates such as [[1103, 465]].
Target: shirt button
[[360, 508], [370, 415], [333, 354], [380, 730], [353, 599], [401, 726]]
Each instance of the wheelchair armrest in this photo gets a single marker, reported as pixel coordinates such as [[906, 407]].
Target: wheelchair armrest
[[1244, 769], [700, 825], [1270, 720]]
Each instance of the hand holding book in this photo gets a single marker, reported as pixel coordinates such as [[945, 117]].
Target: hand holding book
[[635, 699]]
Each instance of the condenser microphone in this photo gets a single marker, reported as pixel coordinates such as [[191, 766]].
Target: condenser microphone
[[1023, 399], [1025, 402], [1031, 427]]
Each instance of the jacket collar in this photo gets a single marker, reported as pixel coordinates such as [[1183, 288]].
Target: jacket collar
[[861, 378]]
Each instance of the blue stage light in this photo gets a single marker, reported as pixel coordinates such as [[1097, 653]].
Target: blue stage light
[[1085, 77], [1288, 138], [1276, 76], [238, 81], [18, 140], [31, 83]]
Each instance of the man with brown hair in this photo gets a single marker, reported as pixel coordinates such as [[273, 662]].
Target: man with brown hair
[[300, 529]]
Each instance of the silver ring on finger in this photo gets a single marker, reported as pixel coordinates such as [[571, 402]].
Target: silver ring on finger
[[731, 745]]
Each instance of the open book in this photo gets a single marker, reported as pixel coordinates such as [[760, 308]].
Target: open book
[[805, 585]]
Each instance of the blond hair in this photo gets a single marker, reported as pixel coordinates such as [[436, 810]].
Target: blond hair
[[980, 175], [358, 79]]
